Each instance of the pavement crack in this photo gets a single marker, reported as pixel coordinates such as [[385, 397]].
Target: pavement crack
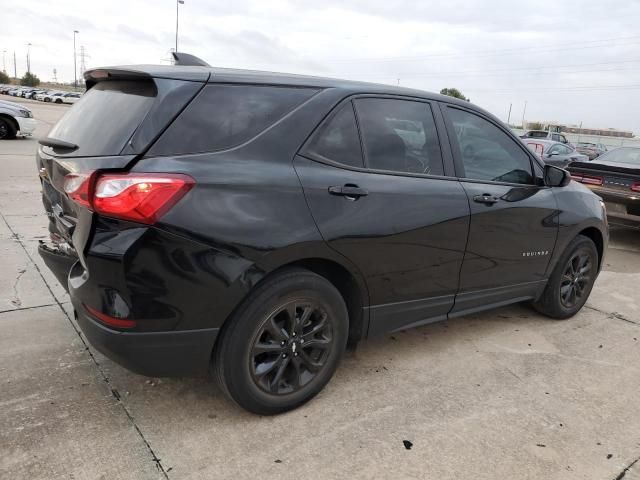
[[16, 297], [103, 374], [613, 315], [27, 308], [626, 470]]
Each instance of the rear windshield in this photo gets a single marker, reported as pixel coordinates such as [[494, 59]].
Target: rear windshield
[[630, 155], [224, 116], [105, 117], [537, 134]]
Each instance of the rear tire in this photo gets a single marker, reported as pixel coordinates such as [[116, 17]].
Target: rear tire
[[283, 344], [571, 282], [8, 130]]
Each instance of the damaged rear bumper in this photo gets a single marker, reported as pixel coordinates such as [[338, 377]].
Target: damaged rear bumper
[[59, 262]]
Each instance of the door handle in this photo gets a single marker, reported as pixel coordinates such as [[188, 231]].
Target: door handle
[[486, 199], [349, 191]]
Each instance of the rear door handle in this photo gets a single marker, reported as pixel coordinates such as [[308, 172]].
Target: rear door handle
[[350, 191], [485, 198]]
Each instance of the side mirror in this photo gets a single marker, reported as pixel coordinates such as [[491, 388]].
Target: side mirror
[[556, 177]]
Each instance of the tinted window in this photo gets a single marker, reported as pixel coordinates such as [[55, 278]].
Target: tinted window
[[487, 152], [223, 116], [399, 135], [338, 140], [537, 134], [102, 121]]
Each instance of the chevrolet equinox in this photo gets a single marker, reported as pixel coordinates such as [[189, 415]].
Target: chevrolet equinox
[[251, 224]]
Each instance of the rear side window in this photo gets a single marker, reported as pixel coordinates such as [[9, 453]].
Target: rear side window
[[399, 135], [224, 116], [105, 117], [337, 139]]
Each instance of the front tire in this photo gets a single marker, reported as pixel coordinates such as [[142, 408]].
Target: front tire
[[571, 282], [7, 129], [283, 344]]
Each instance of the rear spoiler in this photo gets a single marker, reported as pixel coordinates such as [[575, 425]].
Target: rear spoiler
[[605, 168]]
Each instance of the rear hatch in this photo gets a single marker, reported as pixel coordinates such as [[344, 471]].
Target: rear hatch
[[114, 122]]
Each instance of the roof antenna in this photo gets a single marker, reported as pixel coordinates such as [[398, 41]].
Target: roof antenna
[[187, 60]]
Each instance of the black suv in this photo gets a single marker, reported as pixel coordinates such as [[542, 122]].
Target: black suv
[[251, 224]]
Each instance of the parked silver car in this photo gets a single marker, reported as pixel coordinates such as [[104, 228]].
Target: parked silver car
[[554, 153]]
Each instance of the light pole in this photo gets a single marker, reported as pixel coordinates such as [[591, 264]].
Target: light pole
[[75, 69], [178, 2], [524, 110], [4, 65]]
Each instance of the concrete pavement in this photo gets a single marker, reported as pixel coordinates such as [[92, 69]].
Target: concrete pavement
[[503, 394]]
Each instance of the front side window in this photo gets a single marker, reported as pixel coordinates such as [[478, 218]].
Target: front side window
[[399, 135], [487, 152], [337, 140]]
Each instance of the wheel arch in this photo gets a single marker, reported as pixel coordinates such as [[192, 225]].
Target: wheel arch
[[596, 237], [324, 262]]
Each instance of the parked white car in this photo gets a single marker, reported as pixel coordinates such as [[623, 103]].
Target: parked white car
[[55, 97], [71, 97], [40, 96], [15, 119]]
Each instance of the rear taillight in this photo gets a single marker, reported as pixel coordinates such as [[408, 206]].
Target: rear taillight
[[636, 187], [78, 187], [139, 197], [578, 177]]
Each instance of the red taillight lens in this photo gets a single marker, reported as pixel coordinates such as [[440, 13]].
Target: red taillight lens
[[78, 187], [108, 320], [578, 177], [139, 197], [592, 180], [635, 187]]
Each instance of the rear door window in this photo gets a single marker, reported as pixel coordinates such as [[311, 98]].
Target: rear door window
[[337, 139], [399, 136], [105, 117], [224, 116]]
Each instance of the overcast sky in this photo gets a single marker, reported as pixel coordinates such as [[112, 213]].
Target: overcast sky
[[572, 61]]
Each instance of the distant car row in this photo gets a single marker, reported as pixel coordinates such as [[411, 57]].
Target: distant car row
[[44, 95]]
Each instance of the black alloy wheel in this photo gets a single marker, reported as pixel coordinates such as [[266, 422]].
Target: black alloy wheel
[[575, 279], [283, 344], [291, 347], [4, 129], [571, 281]]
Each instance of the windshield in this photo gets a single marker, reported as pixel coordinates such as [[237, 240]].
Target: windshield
[[630, 155], [105, 117]]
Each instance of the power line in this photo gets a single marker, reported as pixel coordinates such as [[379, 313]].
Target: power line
[[507, 70], [489, 53]]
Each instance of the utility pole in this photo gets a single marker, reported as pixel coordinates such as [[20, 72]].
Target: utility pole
[[178, 3], [4, 64], [55, 75], [75, 68], [83, 56], [524, 110], [509, 116], [15, 68], [29, 58]]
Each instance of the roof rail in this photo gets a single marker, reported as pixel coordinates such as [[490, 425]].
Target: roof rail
[[186, 59]]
